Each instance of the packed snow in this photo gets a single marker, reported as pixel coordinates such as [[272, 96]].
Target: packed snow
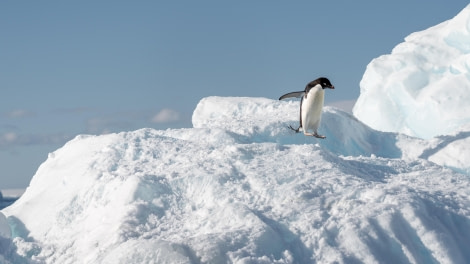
[[422, 88], [240, 187]]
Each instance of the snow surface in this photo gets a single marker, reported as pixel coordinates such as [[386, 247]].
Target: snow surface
[[423, 87], [240, 187]]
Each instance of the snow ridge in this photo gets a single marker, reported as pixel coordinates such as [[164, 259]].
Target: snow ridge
[[240, 187]]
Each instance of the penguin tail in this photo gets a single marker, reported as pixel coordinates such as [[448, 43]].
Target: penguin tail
[[296, 130]]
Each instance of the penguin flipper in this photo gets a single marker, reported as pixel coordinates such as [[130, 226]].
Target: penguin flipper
[[292, 95]]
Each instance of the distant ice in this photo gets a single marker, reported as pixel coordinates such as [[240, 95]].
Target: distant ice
[[166, 115], [345, 105], [5, 231], [8, 196], [12, 193]]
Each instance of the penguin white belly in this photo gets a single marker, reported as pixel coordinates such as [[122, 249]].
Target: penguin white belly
[[312, 110]]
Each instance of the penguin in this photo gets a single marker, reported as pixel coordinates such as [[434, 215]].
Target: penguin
[[311, 105]]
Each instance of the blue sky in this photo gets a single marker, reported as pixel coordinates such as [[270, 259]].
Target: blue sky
[[94, 67]]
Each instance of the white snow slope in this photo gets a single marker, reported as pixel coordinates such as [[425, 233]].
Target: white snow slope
[[240, 187], [423, 87]]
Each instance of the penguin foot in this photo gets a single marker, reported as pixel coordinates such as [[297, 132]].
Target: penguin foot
[[315, 135], [296, 130]]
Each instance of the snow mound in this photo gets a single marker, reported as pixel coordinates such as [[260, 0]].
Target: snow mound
[[422, 88], [266, 120], [240, 187]]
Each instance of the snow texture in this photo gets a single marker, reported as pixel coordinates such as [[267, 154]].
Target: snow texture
[[422, 88], [240, 187]]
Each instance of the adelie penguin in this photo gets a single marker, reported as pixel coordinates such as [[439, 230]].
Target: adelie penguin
[[311, 105]]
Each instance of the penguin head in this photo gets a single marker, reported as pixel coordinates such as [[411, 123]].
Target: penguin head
[[324, 82]]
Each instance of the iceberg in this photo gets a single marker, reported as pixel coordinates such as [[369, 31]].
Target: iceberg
[[422, 88], [389, 184], [240, 187]]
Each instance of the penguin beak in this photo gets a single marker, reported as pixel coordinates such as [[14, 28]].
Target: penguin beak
[[331, 87]]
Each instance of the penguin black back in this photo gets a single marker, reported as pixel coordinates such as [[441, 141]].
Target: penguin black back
[[324, 82]]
